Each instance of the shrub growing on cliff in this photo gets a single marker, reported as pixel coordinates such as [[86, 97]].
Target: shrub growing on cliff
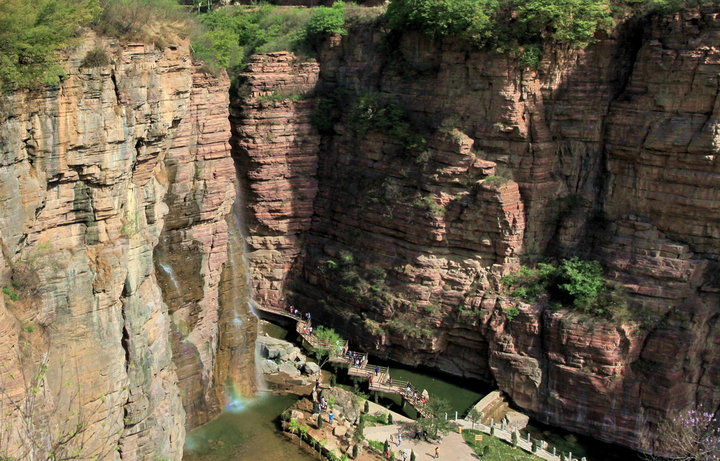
[[468, 19], [146, 20], [97, 57], [574, 22], [327, 21], [373, 112], [574, 283], [237, 32]]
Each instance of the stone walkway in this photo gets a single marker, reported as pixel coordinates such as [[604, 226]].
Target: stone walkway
[[452, 447]]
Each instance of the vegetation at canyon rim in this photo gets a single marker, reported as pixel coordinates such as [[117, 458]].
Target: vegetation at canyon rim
[[33, 33], [574, 283]]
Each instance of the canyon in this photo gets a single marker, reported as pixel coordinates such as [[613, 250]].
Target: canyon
[[607, 153], [130, 191]]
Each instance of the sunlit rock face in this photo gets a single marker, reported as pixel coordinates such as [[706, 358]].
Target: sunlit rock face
[[609, 153], [117, 190]]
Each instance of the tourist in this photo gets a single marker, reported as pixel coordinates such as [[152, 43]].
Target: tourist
[[437, 452], [331, 416], [404, 455], [399, 439], [371, 380], [377, 371], [417, 434], [408, 390]]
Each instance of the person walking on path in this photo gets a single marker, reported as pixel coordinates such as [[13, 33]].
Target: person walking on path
[[437, 452], [377, 371], [404, 455], [399, 439]]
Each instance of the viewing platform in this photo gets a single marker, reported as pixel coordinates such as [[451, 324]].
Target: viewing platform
[[379, 381]]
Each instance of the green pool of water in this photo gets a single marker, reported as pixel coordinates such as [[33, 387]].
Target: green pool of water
[[460, 397], [275, 331], [247, 430]]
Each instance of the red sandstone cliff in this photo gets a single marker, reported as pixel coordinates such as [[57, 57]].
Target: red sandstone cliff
[[116, 188], [610, 153]]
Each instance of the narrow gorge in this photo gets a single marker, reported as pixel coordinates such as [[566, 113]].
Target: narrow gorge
[[385, 185]]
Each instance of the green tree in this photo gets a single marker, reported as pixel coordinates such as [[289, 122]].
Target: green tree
[[469, 19], [579, 282], [436, 424], [358, 435], [330, 347], [327, 21], [574, 22], [475, 416]]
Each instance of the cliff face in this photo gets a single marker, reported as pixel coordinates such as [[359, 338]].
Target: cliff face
[[117, 192], [609, 153]]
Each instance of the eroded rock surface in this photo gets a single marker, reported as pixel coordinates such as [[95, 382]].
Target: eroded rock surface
[[609, 153], [115, 188]]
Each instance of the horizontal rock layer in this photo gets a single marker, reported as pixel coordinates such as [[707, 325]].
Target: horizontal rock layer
[[608, 153], [115, 187]]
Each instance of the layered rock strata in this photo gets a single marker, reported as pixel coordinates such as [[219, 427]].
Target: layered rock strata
[[276, 147], [115, 187], [608, 153]]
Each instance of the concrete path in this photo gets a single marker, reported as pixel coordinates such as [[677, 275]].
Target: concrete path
[[451, 448]]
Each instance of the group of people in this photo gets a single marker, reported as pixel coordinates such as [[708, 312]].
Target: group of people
[[356, 358], [414, 395], [296, 313]]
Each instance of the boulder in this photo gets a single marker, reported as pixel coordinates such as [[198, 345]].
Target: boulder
[[268, 367], [346, 403], [310, 368], [340, 431], [289, 369]]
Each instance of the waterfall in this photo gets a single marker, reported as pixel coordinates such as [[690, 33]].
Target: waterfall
[[171, 274], [243, 288]]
